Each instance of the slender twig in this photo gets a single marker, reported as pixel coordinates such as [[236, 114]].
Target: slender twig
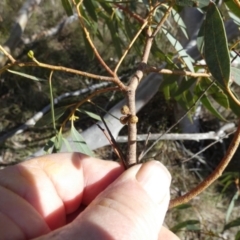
[[100, 59], [9, 56], [114, 143], [86, 100], [213, 176], [130, 45], [176, 72]]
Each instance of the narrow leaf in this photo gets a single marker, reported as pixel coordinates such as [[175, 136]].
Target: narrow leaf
[[79, 143], [179, 48], [231, 206], [26, 75], [91, 9], [90, 114], [67, 7], [234, 223], [186, 224], [193, 3], [216, 48]]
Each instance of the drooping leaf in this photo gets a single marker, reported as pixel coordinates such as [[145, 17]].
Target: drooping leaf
[[193, 3], [216, 48], [79, 143], [185, 85], [177, 18], [208, 103], [67, 7], [200, 38], [27, 76], [49, 145], [231, 206], [215, 92], [90, 114], [91, 9], [234, 223], [57, 142], [180, 50], [189, 225], [233, 10]]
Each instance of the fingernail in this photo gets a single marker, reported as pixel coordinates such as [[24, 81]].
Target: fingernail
[[155, 179]]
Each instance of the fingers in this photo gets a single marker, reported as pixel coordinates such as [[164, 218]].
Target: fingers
[[56, 185], [132, 207]]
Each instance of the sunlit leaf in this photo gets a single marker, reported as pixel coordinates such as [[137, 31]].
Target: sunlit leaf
[[26, 75], [216, 48], [193, 3], [90, 114], [231, 206], [57, 142], [67, 7], [180, 50], [178, 20], [79, 143]]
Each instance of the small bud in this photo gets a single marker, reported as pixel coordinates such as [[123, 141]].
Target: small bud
[[133, 119], [125, 110], [124, 120], [31, 54]]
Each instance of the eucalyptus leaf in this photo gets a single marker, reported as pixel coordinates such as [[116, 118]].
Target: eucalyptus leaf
[[216, 47], [27, 76], [186, 224], [91, 9], [234, 223], [90, 114], [79, 143], [67, 7], [193, 3], [180, 50]]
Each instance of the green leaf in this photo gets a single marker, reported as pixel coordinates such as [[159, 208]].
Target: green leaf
[[234, 9], [207, 103], [78, 142], [235, 74], [90, 114], [67, 7], [189, 224], [185, 85], [177, 18], [91, 9], [231, 206], [57, 143], [200, 38], [49, 145], [47, 118], [179, 48], [216, 48], [237, 236], [183, 206], [193, 3], [27, 75], [215, 92], [234, 223]]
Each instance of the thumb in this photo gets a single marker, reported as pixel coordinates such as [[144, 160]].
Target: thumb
[[132, 207]]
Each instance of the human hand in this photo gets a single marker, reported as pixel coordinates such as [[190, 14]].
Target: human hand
[[73, 196]]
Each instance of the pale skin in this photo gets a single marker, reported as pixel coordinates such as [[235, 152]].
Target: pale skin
[[73, 196]]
